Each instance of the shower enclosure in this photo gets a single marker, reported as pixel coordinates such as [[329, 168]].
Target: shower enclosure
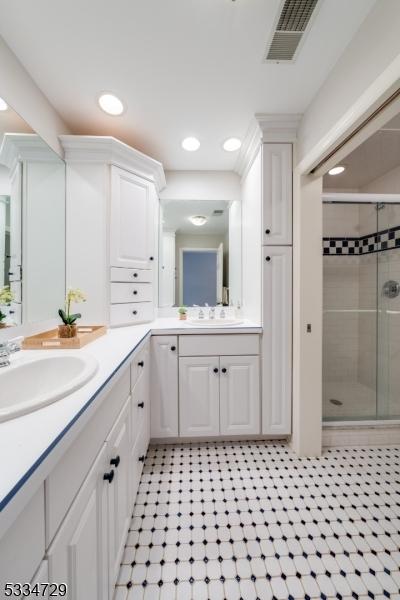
[[361, 324]]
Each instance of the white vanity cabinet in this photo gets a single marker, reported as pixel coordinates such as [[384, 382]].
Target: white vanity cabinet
[[199, 396], [112, 222], [164, 386], [239, 395], [87, 547]]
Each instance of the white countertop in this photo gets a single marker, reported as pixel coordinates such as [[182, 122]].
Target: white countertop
[[27, 441]]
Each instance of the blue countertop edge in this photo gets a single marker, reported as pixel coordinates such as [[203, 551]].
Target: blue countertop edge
[[6, 500]]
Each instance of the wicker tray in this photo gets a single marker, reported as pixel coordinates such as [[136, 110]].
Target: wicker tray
[[49, 340]]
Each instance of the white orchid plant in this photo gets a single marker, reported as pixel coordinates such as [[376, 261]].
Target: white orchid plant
[[6, 297], [72, 296]]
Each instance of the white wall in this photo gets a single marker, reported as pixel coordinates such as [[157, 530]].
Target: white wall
[[201, 185], [251, 240], [21, 92], [373, 49], [387, 184]]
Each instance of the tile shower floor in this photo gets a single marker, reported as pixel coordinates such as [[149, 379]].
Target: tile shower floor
[[249, 520]]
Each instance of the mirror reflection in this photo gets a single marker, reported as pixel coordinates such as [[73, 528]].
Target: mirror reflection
[[200, 253], [32, 224]]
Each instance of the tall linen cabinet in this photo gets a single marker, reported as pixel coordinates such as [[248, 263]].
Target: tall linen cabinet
[[112, 224], [267, 190]]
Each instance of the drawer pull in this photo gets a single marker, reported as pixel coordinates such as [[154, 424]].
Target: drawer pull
[[151, 257], [267, 231], [223, 370], [141, 404], [215, 370], [141, 458], [141, 363], [134, 275], [134, 312], [173, 348], [267, 258], [109, 476], [134, 292], [115, 461]]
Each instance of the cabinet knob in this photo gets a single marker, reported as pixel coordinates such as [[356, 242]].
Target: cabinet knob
[[223, 370], [141, 363], [134, 292], [10, 273], [141, 458], [11, 312], [109, 476], [215, 370], [141, 404], [173, 348], [151, 257], [267, 231], [135, 275], [267, 258], [115, 461], [134, 312]]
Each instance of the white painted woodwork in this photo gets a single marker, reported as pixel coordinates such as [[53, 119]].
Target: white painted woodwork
[[277, 194], [132, 220], [219, 344], [15, 219], [198, 396], [164, 386], [131, 275], [68, 475], [131, 292], [239, 395], [167, 269], [139, 398], [277, 340], [78, 555], [42, 576], [22, 547], [119, 499], [127, 314]]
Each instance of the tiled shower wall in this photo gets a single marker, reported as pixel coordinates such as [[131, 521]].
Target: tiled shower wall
[[361, 344]]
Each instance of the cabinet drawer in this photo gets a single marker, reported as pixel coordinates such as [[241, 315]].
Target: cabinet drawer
[[126, 314], [131, 292], [22, 547], [216, 345], [65, 480], [129, 275]]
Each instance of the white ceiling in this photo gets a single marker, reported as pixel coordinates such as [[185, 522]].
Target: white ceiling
[[375, 157], [183, 67], [176, 213]]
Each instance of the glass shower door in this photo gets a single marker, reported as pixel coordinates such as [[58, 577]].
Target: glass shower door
[[388, 315]]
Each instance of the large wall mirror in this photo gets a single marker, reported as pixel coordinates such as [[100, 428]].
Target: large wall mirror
[[200, 253], [32, 224]]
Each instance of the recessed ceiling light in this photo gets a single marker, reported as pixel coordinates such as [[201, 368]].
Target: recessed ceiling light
[[3, 104], [191, 144], [232, 144], [337, 170], [198, 220], [111, 104]]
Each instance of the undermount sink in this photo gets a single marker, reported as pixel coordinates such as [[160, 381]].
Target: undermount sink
[[213, 322], [32, 383]]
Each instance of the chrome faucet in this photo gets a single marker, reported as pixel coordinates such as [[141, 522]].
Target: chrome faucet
[[222, 314], [211, 312], [7, 348]]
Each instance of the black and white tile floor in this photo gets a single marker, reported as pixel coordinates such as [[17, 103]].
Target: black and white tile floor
[[247, 520]]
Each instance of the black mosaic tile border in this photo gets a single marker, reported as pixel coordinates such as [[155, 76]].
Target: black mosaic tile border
[[387, 239]]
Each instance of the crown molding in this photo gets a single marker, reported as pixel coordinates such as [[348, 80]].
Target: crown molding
[[265, 128], [107, 149], [17, 147]]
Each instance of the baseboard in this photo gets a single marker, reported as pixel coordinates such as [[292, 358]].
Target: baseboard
[[359, 435], [219, 438]]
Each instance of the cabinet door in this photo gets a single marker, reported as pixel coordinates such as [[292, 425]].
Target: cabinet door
[[78, 555], [164, 386], [119, 498], [199, 395], [277, 340], [239, 395], [277, 194], [132, 220]]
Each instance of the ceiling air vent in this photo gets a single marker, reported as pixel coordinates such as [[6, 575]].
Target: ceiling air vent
[[218, 213], [293, 22]]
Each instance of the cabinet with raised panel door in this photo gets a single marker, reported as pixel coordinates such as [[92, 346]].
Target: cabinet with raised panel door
[[219, 395], [164, 386]]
